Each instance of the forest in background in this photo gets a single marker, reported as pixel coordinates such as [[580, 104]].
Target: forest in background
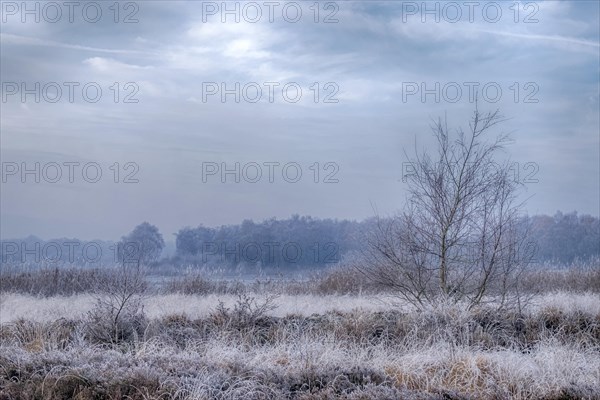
[[302, 241]]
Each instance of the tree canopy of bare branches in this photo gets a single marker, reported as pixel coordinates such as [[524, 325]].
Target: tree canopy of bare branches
[[458, 237]]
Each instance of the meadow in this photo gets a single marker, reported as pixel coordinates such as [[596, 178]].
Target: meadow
[[332, 336]]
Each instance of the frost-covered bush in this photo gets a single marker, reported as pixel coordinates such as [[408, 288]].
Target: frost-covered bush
[[105, 324]]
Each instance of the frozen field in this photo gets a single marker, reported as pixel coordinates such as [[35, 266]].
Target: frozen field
[[305, 346]]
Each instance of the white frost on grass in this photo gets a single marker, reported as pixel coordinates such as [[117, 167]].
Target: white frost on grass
[[425, 364], [40, 309], [15, 306], [588, 303]]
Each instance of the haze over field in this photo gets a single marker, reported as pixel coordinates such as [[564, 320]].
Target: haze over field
[[373, 61]]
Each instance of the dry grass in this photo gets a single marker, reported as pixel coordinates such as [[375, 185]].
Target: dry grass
[[247, 349], [341, 280], [16, 306], [328, 337], [46, 282]]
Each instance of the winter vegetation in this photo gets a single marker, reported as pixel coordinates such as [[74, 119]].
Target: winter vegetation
[[335, 335], [446, 300]]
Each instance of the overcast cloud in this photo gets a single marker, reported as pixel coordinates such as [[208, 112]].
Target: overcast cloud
[[366, 61]]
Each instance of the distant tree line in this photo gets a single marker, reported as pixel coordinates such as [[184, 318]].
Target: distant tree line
[[143, 245], [299, 240], [565, 238]]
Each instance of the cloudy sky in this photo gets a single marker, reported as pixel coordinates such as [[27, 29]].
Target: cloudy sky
[[334, 91]]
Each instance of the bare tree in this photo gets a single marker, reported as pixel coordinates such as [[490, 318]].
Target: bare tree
[[119, 306], [458, 237], [119, 311]]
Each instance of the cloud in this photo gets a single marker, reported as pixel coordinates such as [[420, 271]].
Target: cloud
[[18, 40], [369, 54], [101, 64], [546, 38]]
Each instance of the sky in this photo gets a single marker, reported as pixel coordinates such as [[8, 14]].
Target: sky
[[173, 112]]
